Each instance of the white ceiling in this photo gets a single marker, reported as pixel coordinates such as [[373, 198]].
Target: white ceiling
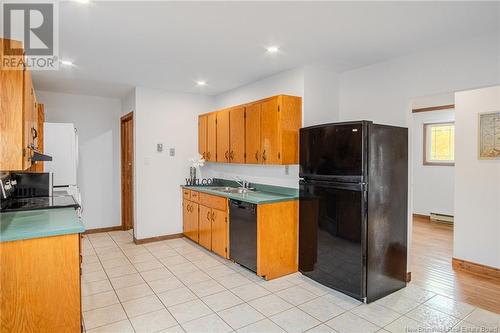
[[169, 45]]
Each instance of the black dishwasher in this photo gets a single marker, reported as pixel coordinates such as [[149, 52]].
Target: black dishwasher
[[243, 233]]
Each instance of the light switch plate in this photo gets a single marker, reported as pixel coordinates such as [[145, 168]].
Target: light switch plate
[[172, 151], [159, 147]]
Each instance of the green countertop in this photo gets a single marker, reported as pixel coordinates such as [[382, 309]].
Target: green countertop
[[39, 223], [263, 193]]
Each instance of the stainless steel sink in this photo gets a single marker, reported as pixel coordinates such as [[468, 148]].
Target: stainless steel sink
[[239, 190]]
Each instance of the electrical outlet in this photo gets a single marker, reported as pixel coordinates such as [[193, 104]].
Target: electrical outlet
[[159, 147], [287, 170], [172, 151]]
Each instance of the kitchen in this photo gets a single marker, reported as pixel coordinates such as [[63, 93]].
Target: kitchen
[[148, 278]]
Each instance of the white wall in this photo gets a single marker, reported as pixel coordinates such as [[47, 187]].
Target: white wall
[[477, 183], [383, 92], [170, 119], [97, 120], [433, 185], [321, 94]]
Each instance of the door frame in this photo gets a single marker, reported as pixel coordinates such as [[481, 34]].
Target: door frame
[[123, 120]]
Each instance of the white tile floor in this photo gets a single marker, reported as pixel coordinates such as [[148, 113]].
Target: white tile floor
[[176, 286]]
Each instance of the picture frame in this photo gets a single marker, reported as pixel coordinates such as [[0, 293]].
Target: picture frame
[[489, 135]]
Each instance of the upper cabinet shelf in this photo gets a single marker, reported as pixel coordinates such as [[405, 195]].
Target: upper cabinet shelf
[[260, 132]]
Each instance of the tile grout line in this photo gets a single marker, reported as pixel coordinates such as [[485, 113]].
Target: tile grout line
[[113, 287]]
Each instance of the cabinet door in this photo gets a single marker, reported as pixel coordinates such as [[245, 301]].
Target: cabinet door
[[237, 135], [219, 232], [193, 222], [270, 131], [202, 135], [205, 227], [223, 136], [28, 121], [252, 134], [11, 114], [185, 218], [211, 137]]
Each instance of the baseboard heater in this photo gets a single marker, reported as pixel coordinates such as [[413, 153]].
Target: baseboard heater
[[441, 218]]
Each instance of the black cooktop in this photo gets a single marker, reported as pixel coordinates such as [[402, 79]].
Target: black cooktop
[[34, 203]]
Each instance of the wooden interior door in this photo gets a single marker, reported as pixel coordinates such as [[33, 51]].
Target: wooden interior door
[[223, 136], [211, 137], [205, 227], [252, 134], [269, 131], [237, 135], [219, 232], [202, 135], [127, 160]]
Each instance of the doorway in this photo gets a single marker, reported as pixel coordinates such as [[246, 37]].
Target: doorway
[[127, 176]]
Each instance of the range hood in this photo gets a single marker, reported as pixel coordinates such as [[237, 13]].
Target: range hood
[[40, 157]]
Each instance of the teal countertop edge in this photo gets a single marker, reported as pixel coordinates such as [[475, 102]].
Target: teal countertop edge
[[264, 194], [39, 223]]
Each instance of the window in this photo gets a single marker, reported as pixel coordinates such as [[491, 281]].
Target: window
[[439, 144]]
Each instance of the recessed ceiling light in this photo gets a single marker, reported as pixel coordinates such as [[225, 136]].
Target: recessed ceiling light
[[66, 62], [273, 49], [201, 83], [82, 1]]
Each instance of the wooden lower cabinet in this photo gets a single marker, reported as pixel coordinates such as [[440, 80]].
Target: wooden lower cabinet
[[40, 285], [190, 220], [205, 223], [277, 239], [219, 232]]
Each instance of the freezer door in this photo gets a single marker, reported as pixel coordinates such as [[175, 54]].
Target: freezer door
[[332, 230], [335, 152]]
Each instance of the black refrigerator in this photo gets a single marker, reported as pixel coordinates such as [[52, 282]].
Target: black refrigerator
[[353, 207]]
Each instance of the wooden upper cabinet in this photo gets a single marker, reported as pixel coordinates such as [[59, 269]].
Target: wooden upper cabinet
[[15, 119], [252, 134], [237, 135], [270, 143], [202, 135], [290, 121], [211, 154], [261, 132], [223, 136], [28, 119]]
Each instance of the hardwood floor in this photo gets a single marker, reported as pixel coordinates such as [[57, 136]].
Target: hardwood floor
[[431, 253]]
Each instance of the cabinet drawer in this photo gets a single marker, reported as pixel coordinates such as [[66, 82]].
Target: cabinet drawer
[[213, 201], [195, 196], [186, 194]]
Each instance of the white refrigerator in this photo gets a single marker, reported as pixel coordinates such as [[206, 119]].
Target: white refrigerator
[[61, 142]]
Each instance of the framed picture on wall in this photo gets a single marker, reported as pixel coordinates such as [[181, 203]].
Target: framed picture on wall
[[489, 135]]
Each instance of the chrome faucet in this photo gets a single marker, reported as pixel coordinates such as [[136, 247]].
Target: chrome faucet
[[243, 183]]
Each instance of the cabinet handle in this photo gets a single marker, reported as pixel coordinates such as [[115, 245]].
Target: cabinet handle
[[257, 155], [231, 155], [208, 156], [264, 155], [208, 215], [226, 155], [203, 155], [213, 216]]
